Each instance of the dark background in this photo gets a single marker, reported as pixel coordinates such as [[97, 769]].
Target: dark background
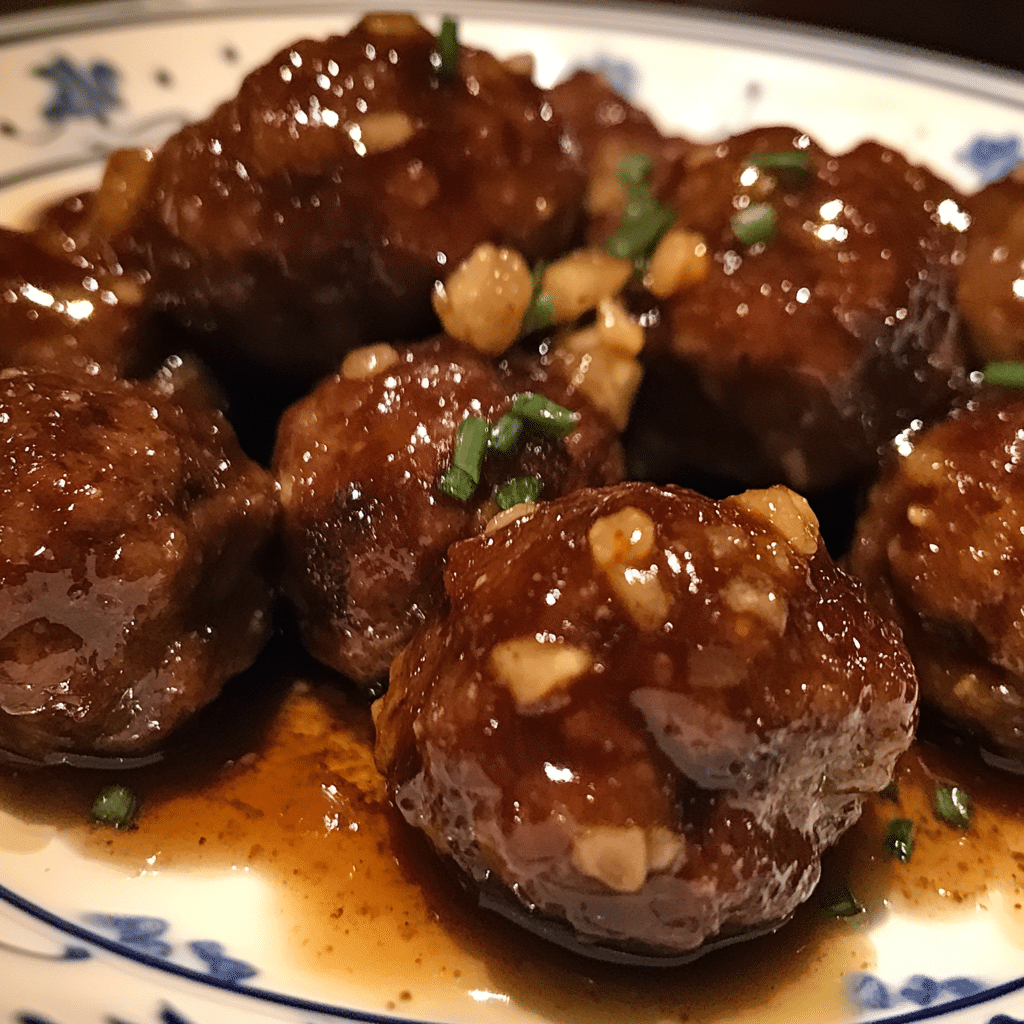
[[986, 30]]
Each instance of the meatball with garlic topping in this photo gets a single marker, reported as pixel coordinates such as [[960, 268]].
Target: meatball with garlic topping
[[642, 715], [941, 548], [133, 549], [360, 460]]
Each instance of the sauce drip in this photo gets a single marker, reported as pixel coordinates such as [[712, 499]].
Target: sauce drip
[[278, 777]]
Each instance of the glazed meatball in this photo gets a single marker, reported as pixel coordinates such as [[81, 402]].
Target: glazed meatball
[[991, 295], [644, 714], [823, 323], [941, 547], [359, 461], [132, 539], [313, 212]]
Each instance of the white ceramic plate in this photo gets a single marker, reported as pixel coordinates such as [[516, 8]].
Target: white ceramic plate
[[83, 942]]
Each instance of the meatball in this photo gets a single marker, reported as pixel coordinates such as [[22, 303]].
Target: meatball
[[823, 323], [990, 294], [365, 527], [313, 212], [941, 548], [644, 714], [132, 541]]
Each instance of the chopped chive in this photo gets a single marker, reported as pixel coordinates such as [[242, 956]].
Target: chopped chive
[[644, 220], [891, 792], [792, 167], [899, 839], [954, 806], [840, 902], [1007, 374], [447, 62], [504, 435], [541, 311], [471, 446], [543, 415], [757, 223], [457, 484], [520, 489], [116, 805]]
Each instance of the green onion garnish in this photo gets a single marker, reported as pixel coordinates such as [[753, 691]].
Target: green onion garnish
[[757, 223], [899, 839], [457, 484], [504, 435], [447, 59], [545, 416], [891, 792], [792, 167], [522, 488], [541, 311], [954, 806], [116, 805], [471, 446], [840, 902], [644, 220], [1007, 374]]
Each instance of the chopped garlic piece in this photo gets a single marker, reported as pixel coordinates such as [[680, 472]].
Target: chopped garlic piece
[[613, 854], [368, 361], [787, 511], [533, 668]]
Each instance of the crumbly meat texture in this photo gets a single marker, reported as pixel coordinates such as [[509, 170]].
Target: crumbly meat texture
[[365, 527], [133, 536], [645, 714], [313, 212], [941, 548], [802, 354]]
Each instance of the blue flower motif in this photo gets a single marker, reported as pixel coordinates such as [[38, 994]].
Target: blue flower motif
[[621, 74], [993, 158], [869, 992], [221, 967], [80, 91], [139, 932]]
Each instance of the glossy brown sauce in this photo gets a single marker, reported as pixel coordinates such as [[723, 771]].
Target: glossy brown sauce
[[278, 778]]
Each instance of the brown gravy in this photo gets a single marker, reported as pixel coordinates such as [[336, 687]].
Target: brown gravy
[[278, 777]]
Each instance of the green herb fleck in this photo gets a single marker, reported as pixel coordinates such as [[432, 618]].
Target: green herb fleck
[[446, 60], [891, 792], [520, 489], [546, 417], [644, 220], [457, 484], [840, 902], [470, 446], [504, 435], [899, 839], [541, 311], [954, 806], [790, 167], [116, 805], [1007, 374], [756, 223]]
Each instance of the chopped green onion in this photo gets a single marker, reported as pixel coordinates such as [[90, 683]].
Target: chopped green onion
[[504, 435], [541, 311], [644, 220], [899, 839], [116, 806], [954, 806], [1007, 374], [457, 484], [791, 167], [891, 792], [543, 415], [471, 446], [840, 902], [756, 223], [522, 488], [447, 62]]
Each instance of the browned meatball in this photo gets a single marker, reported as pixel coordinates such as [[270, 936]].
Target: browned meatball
[[801, 353], [314, 211], [991, 290], [63, 313], [366, 528], [941, 548], [645, 713], [132, 535]]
